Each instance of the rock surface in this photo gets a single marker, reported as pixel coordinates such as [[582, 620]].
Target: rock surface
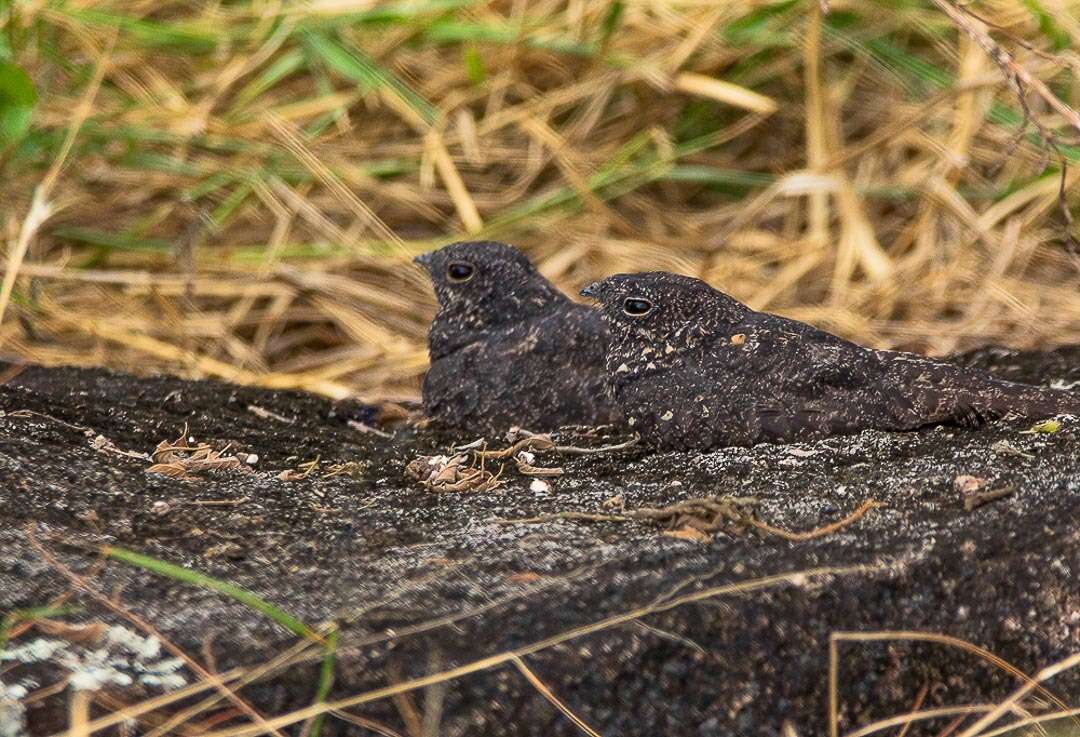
[[636, 631]]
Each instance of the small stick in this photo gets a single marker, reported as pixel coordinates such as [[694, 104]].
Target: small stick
[[699, 507], [974, 501], [577, 450], [574, 450], [539, 442], [818, 531], [220, 502], [547, 693], [1008, 64]]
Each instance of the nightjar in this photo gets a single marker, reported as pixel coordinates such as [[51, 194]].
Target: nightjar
[[692, 368], [509, 349]]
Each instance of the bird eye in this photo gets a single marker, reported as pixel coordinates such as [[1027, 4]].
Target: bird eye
[[460, 271], [636, 306]]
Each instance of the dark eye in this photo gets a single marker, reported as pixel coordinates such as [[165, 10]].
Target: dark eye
[[460, 271], [636, 306]]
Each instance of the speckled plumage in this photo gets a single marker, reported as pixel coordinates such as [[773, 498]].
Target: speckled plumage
[[701, 370], [507, 348]]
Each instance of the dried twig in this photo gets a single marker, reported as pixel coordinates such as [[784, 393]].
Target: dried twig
[[453, 474], [707, 514], [1007, 63], [819, 531], [1021, 79], [545, 439]]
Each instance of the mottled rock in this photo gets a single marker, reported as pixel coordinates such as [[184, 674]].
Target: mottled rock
[[718, 638]]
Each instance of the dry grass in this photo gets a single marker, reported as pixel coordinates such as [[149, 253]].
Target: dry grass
[[252, 177]]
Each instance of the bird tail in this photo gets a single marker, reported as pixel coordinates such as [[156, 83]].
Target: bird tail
[[944, 392], [998, 398]]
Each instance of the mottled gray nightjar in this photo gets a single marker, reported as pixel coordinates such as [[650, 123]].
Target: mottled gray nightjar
[[507, 348], [692, 368]]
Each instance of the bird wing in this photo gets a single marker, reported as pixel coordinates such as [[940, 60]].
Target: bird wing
[[800, 362], [793, 381]]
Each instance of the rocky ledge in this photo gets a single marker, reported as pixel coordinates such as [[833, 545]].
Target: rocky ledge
[[540, 590]]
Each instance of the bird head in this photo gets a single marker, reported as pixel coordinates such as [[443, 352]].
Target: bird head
[[661, 311], [481, 284]]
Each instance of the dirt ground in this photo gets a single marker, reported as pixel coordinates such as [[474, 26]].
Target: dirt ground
[[651, 633]]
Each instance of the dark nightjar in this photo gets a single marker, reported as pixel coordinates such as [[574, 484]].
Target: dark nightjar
[[692, 368], [509, 349]]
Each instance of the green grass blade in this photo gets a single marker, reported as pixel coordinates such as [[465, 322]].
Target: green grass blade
[[184, 37], [17, 99], [612, 20], [232, 203], [195, 578], [113, 241], [474, 66], [453, 31], [409, 12], [1048, 26], [15, 616], [359, 68], [288, 63], [326, 680], [762, 27]]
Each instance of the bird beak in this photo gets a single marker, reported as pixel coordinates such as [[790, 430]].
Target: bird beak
[[593, 290], [424, 259]]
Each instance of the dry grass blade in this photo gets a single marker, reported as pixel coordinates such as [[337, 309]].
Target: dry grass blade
[[816, 132], [721, 91], [913, 717], [332, 181], [365, 723], [919, 699], [1003, 708], [137, 711], [552, 698], [1015, 727], [38, 214], [242, 678], [836, 638], [455, 185], [79, 713]]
